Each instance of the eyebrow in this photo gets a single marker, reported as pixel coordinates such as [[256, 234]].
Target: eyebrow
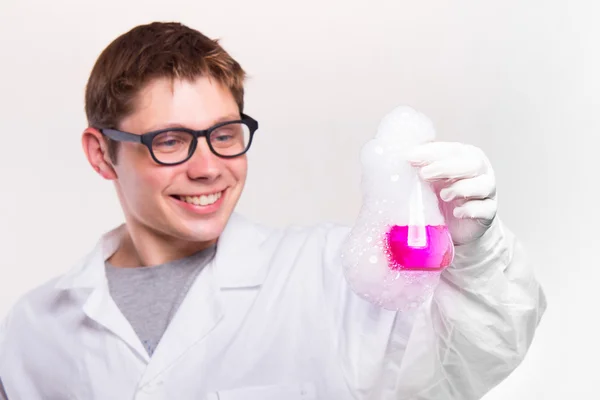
[[174, 125]]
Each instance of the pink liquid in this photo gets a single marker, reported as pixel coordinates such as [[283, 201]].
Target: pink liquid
[[426, 248]]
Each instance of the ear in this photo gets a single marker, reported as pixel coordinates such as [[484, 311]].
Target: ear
[[96, 152]]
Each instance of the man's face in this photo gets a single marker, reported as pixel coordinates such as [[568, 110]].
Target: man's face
[[154, 196]]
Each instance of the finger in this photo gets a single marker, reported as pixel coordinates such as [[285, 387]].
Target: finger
[[452, 168], [477, 209], [433, 151], [480, 187]]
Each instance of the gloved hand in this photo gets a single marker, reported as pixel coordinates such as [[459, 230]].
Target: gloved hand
[[463, 179]]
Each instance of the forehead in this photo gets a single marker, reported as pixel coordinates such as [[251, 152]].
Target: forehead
[[195, 104]]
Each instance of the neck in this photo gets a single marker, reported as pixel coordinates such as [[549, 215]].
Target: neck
[[141, 247]]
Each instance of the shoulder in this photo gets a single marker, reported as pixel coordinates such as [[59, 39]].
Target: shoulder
[[326, 233], [322, 232], [28, 321], [322, 239], [49, 307], [33, 307]]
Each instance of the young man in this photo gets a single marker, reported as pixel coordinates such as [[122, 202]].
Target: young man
[[188, 300]]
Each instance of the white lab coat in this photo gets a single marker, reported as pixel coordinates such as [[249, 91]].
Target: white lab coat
[[272, 318]]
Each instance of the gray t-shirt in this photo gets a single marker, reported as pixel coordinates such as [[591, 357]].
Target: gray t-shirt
[[149, 297]]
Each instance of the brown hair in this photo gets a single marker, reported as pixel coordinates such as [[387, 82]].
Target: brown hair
[[146, 52]]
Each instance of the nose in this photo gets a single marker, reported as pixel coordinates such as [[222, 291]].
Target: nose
[[204, 165]]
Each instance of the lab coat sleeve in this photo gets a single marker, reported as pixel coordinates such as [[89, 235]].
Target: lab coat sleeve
[[473, 332], [477, 328]]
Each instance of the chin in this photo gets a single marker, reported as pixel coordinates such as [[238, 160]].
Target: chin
[[206, 229]]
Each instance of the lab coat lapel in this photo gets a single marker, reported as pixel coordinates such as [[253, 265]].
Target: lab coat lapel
[[198, 314], [99, 306], [237, 264]]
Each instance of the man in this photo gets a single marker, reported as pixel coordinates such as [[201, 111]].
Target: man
[[189, 300]]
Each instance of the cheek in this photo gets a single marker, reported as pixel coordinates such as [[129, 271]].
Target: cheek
[[141, 181], [155, 181], [144, 193], [239, 168]]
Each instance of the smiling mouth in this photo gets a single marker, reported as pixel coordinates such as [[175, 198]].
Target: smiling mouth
[[202, 200]]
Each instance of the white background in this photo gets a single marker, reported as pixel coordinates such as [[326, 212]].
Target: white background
[[516, 78]]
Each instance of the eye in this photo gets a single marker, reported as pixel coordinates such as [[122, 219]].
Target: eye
[[226, 135], [170, 141], [223, 137]]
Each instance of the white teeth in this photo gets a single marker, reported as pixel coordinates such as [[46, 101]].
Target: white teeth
[[203, 200]]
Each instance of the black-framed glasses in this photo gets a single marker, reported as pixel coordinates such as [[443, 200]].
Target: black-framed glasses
[[174, 146]]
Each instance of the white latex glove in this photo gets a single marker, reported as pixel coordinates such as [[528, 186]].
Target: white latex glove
[[463, 179]]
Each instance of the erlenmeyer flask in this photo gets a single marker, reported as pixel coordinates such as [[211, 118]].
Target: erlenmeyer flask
[[399, 244]]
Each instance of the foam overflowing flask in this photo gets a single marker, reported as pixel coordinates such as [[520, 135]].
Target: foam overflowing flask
[[400, 244]]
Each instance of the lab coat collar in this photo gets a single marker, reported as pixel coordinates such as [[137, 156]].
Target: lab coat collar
[[238, 260], [89, 272]]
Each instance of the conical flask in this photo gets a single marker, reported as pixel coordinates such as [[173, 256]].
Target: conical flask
[[394, 254]]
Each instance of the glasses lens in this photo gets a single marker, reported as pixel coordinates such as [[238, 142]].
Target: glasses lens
[[172, 147], [231, 139]]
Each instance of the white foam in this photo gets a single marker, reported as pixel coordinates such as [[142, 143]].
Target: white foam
[[393, 194]]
